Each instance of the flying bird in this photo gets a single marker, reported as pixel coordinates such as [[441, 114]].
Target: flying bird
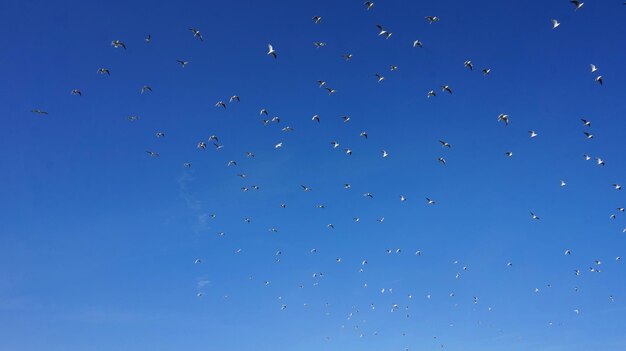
[[504, 118], [196, 33], [417, 43], [555, 24], [368, 5], [182, 63], [432, 19], [118, 44], [317, 19], [383, 32], [104, 71], [271, 51], [577, 4], [446, 88], [76, 92], [39, 112], [469, 65]]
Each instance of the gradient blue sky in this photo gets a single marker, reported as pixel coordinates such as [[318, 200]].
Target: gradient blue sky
[[98, 240]]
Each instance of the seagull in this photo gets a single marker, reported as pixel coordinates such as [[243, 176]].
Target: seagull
[[305, 188], [315, 118], [345, 118], [334, 144], [600, 161], [442, 160], [321, 83], [263, 112], [577, 4], [271, 51], [276, 119], [368, 5], [446, 88], [197, 261], [445, 144], [319, 44], [117, 43], [555, 24], [586, 122], [402, 198], [152, 153], [509, 153], [432, 19], [370, 195], [563, 183], [196, 33], [148, 39], [146, 88], [469, 65], [213, 138], [617, 187], [504, 118], [532, 133], [593, 68], [348, 151], [287, 129], [202, 145], [220, 104], [380, 78], [363, 134], [385, 153], [486, 71], [187, 165], [430, 201], [534, 216], [279, 145], [76, 92], [233, 98], [160, 134], [39, 112], [317, 19], [383, 31], [104, 71], [249, 154], [567, 252], [182, 63], [431, 93], [330, 90], [599, 80], [393, 68], [417, 43], [587, 157], [348, 57], [588, 135]]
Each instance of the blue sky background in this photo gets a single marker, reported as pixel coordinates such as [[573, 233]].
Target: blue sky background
[[98, 240]]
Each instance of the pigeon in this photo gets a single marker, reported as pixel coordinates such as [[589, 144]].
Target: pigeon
[[271, 51], [196, 33], [383, 32], [577, 4], [118, 44], [504, 118]]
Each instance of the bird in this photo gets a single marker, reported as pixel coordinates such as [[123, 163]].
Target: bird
[[402, 198], [446, 88], [562, 183], [617, 187], [160, 134], [532, 133], [187, 165], [593, 68], [220, 104], [76, 92], [393, 68], [567, 252], [430, 201], [196, 33], [469, 65], [363, 134], [315, 118], [317, 19], [118, 44], [588, 135], [182, 63], [148, 39], [279, 145], [234, 98], [599, 80], [504, 118], [39, 112], [486, 71], [431, 93], [599, 161], [368, 5], [152, 153], [345, 119], [348, 151], [334, 144], [384, 153], [555, 24], [442, 160], [264, 112], [432, 19], [271, 51], [445, 144], [370, 195], [577, 4], [383, 32], [319, 44], [509, 153], [305, 188], [417, 43], [321, 83], [534, 216], [586, 123], [348, 57], [380, 78], [104, 71], [330, 90], [146, 88]]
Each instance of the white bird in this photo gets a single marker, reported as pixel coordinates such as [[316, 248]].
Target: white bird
[[532, 133], [430, 201], [469, 65], [76, 92], [233, 98], [509, 153], [305, 188], [402, 198], [330, 90], [442, 160], [486, 71], [385, 153], [504, 118], [617, 187], [432, 19], [600, 161], [380, 78], [334, 144], [555, 24], [146, 88], [196, 33], [315, 118], [588, 135], [534, 216], [577, 4], [368, 5], [271, 51], [563, 183], [104, 71], [317, 19], [445, 144], [182, 63], [431, 93], [39, 112], [599, 80], [417, 43], [279, 145], [586, 122], [117, 44], [220, 104], [446, 88], [593, 68]]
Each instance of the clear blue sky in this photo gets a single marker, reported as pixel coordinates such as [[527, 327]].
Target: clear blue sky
[[98, 240]]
